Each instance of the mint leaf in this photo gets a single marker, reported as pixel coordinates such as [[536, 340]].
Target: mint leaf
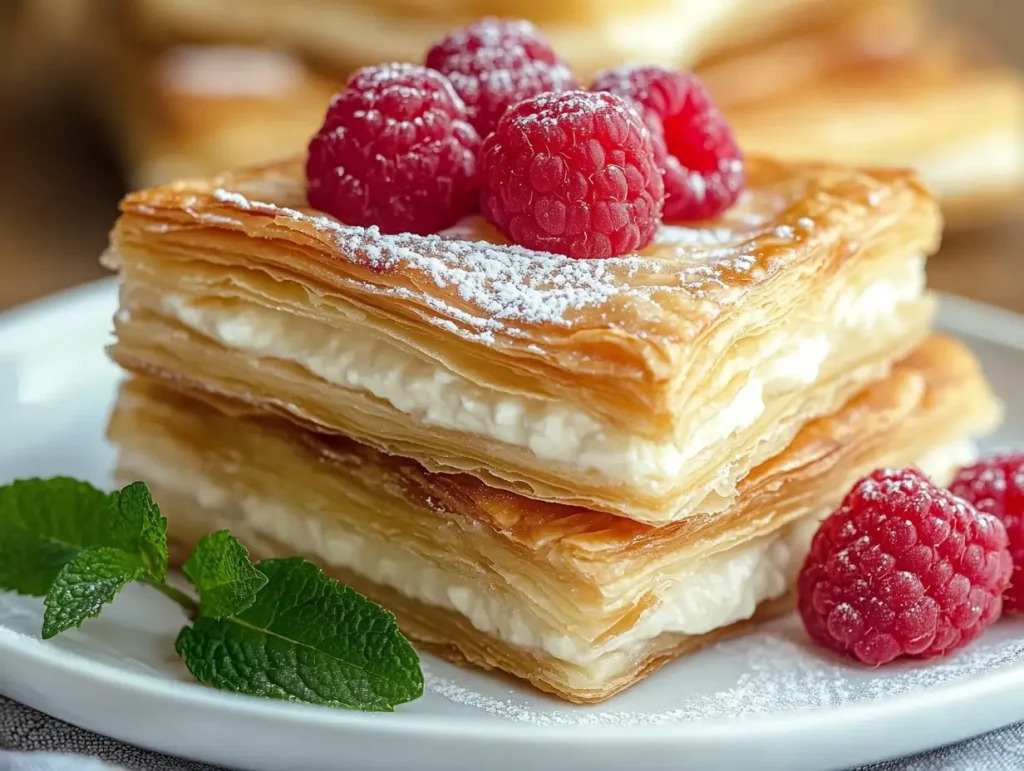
[[44, 523], [140, 527], [220, 570], [85, 584], [306, 638]]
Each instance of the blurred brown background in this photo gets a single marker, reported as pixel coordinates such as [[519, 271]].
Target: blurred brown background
[[61, 180]]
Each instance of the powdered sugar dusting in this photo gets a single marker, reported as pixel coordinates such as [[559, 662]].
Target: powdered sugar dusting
[[780, 673], [553, 109], [483, 291], [506, 283]]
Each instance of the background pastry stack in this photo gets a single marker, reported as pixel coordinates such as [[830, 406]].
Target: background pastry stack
[[570, 470], [191, 88]]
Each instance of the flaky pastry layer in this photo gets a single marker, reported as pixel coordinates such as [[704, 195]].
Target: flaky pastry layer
[[590, 600], [644, 385]]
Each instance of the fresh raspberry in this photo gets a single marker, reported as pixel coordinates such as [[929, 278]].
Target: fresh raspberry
[[996, 486], [572, 173], [902, 568], [495, 63], [696, 149], [395, 151]]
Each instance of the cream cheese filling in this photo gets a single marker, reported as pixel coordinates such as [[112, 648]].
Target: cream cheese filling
[[718, 592], [368, 361]]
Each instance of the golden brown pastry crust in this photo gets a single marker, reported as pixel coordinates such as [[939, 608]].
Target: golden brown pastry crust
[[449, 635], [632, 323], [645, 344], [564, 562], [936, 394]]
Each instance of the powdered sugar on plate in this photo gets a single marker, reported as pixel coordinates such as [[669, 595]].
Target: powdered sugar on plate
[[781, 672]]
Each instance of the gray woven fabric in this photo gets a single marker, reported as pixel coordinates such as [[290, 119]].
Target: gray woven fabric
[[31, 741], [27, 734]]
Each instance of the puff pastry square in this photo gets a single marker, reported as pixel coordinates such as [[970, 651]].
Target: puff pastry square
[[645, 386], [581, 604]]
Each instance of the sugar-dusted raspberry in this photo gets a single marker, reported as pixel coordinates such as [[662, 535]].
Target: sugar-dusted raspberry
[[996, 486], [572, 173], [495, 63], [702, 163], [902, 568], [395, 151]]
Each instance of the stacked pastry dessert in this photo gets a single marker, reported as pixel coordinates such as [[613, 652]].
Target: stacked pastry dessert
[[469, 356]]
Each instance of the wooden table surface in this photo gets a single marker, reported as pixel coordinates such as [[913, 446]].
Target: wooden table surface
[[59, 190]]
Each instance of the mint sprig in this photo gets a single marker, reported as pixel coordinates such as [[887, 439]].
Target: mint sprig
[[307, 638], [220, 570], [87, 583], [44, 524], [142, 527], [282, 629]]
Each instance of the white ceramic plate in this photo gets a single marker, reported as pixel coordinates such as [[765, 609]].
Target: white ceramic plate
[[767, 701]]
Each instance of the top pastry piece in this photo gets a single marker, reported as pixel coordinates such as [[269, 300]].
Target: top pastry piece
[[646, 386]]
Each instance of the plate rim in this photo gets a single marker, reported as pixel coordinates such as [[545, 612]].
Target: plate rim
[[967, 316], [912, 704]]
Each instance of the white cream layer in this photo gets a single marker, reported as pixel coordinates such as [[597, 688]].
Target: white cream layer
[[993, 161], [433, 395], [720, 592]]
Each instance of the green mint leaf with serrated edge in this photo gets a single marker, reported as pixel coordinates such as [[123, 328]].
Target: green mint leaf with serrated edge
[[221, 572], [306, 638], [142, 526], [45, 523], [87, 583]]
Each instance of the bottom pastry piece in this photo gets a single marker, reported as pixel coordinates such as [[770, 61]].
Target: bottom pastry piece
[[579, 603]]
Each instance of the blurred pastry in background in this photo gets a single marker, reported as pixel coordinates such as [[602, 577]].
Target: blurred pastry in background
[[190, 111], [858, 34], [590, 34], [959, 122], [863, 82]]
